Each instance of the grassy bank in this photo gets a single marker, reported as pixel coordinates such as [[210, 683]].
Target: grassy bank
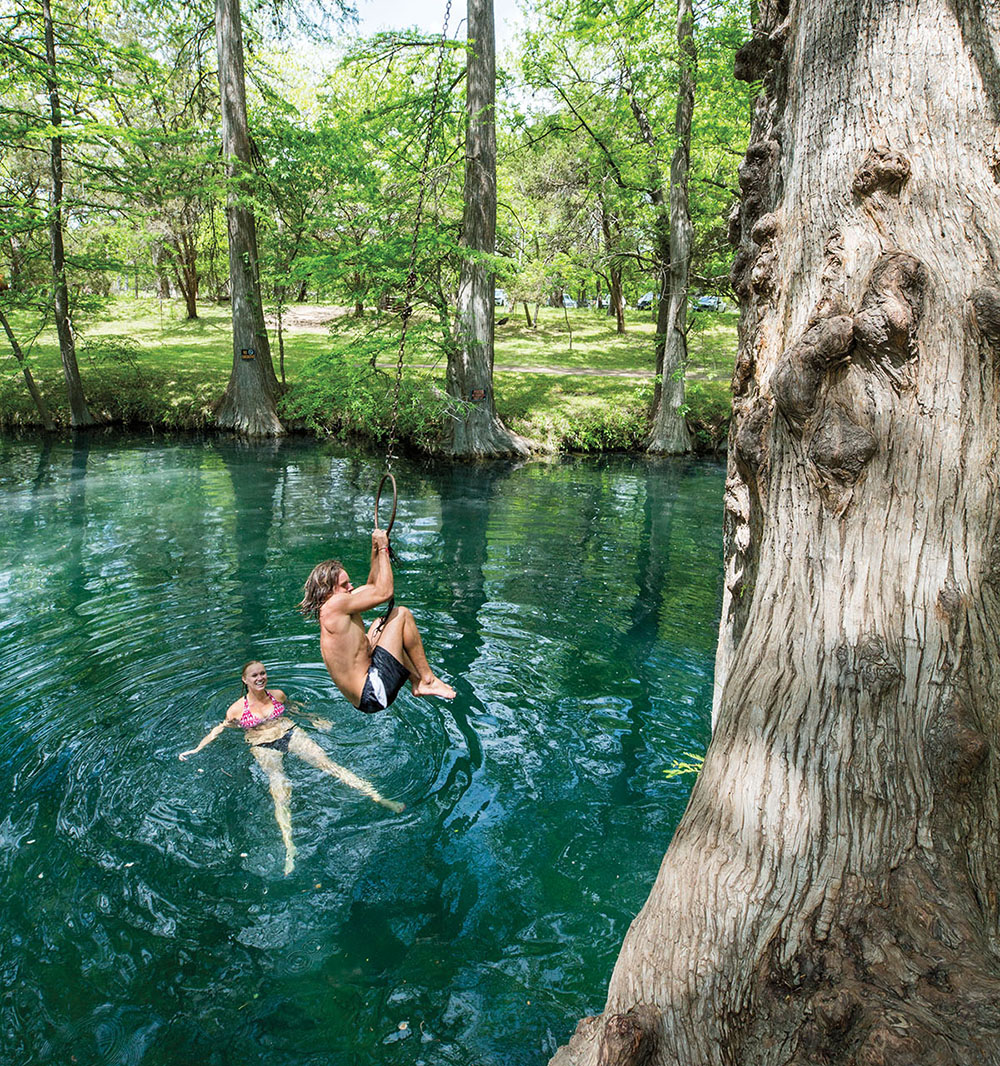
[[572, 383]]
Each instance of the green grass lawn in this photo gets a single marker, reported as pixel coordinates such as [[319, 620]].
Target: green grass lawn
[[144, 361], [586, 339]]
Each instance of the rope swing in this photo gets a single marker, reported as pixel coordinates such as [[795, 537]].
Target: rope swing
[[410, 289], [378, 496], [411, 272]]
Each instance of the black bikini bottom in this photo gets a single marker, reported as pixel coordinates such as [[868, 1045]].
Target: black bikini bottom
[[281, 744]]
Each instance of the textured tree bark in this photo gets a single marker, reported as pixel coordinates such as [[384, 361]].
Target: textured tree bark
[[831, 895], [248, 404], [669, 434], [476, 427], [80, 415]]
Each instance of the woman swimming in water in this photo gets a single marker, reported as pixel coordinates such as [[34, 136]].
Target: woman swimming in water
[[260, 713]]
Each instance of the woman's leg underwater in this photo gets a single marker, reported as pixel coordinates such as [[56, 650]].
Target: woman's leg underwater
[[271, 762], [308, 749]]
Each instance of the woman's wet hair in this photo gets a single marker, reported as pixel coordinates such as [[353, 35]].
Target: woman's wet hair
[[319, 586]]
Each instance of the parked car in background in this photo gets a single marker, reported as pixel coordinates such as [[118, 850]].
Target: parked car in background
[[500, 298], [708, 302], [568, 301], [646, 301]]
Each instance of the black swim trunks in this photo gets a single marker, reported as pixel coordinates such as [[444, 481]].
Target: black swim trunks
[[282, 742], [386, 676]]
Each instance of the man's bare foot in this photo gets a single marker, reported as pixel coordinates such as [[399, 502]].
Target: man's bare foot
[[392, 805], [432, 686], [289, 861]]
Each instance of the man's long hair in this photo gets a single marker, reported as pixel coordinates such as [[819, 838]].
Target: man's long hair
[[319, 587]]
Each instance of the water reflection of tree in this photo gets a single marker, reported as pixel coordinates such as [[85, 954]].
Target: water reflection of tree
[[255, 469], [74, 568], [633, 646], [466, 494]]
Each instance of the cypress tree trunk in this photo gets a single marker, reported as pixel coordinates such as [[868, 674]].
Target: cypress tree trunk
[[182, 251], [248, 405], [616, 300], [668, 394], [80, 415], [832, 894], [476, 428], [670, 433]]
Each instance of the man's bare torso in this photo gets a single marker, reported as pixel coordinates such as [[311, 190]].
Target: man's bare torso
[[345, 649]]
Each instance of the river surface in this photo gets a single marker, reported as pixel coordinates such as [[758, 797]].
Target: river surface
[[144, 913]]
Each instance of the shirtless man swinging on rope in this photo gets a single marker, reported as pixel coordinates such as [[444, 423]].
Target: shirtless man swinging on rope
[[368, 668]]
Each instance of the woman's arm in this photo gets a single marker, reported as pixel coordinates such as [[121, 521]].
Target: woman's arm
[[205, 740]]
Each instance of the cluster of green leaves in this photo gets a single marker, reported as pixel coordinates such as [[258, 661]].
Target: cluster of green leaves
[[708, 410], [588, 166], [343, 392], [690, 764], [338, 172]]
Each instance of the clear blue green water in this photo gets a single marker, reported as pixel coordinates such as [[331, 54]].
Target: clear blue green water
[[144, 915]]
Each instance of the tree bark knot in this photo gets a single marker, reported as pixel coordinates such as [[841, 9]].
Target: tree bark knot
[[763, 275], [956, 747], [755, 262], [883, 169], [986, 309], [802, 369], [840, 447], [751, 439], [755, 60], [629, 1039], [885, 328], [868, 665]]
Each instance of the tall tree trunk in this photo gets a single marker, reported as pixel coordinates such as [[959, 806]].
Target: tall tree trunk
[[832, 894], [476, 428], [280, 293], [616, 298], [670, 433], [248, 405], [18, 261], [36, 395], [182, 250], [79, 412], [158, 254], [662, 200]]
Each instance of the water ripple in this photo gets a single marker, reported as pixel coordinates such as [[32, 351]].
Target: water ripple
[[146, 917]]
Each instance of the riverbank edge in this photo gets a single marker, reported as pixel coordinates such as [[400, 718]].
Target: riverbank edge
[[614, 427], [714, 446]]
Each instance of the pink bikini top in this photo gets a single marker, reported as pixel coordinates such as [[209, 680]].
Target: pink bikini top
[[249, 721]]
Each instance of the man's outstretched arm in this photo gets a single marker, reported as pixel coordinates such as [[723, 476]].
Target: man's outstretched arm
[[377, 589]]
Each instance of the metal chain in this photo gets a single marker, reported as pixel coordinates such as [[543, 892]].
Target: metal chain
[[411, 274]]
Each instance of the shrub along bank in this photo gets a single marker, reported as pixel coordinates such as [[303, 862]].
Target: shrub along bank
[[571, 384]]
